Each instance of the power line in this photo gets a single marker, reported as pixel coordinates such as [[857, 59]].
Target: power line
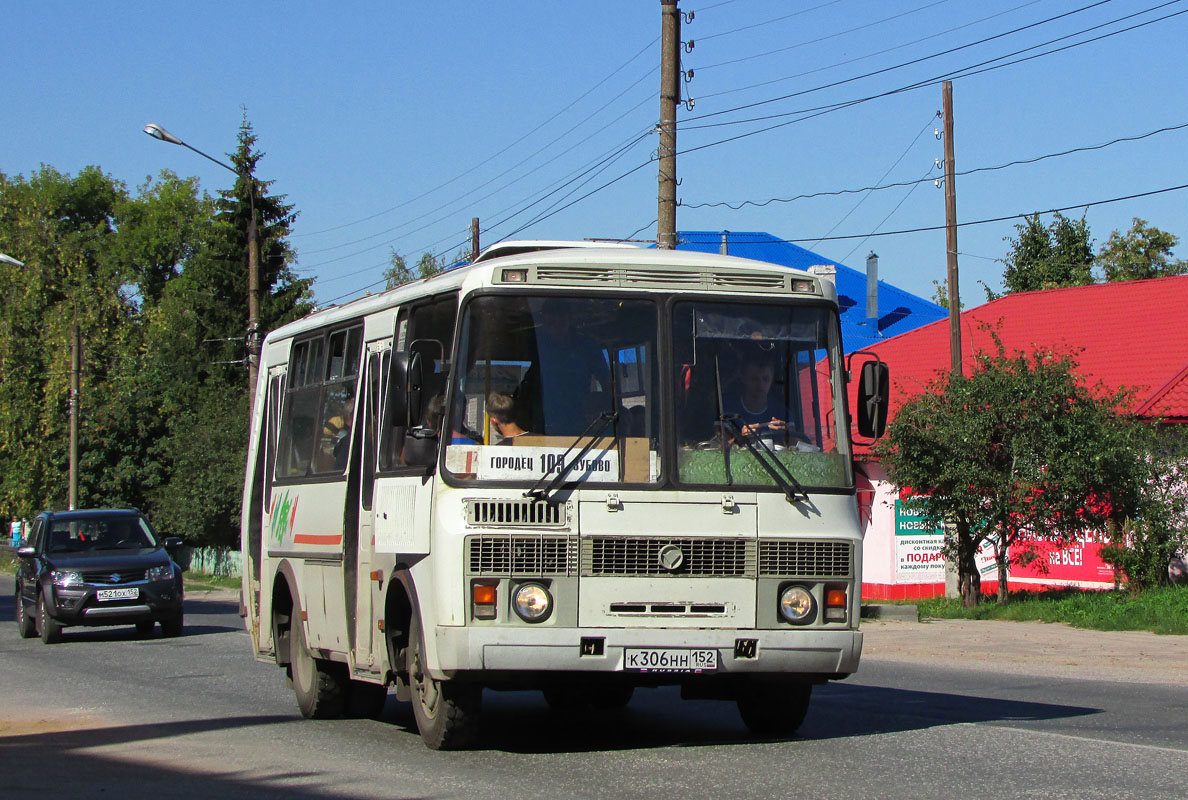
[[964, 72], [873, 24], [1087, 148], [931, 228], [768, 22], [492, 157], [855, 60]]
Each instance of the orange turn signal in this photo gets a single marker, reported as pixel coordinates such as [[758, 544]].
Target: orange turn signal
[[484, 595], [835, 598]]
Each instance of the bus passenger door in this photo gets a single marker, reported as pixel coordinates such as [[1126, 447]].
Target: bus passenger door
[[369, 592]]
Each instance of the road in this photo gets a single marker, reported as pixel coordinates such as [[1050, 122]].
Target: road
[[107, 714]]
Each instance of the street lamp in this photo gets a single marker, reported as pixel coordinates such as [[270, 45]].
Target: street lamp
[[7, 259], [157, 132]]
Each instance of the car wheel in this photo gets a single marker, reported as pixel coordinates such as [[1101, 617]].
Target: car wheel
[[446, 711], [145, 628], [172, 627], [774, 709], [50, 628], [25, 623], [318, 684]]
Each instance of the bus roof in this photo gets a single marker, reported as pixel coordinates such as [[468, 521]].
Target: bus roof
[[626, 267]]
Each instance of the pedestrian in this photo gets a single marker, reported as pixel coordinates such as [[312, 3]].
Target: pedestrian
[[15, 531]]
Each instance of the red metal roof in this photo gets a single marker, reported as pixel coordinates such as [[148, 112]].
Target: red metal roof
[[1123, 335]]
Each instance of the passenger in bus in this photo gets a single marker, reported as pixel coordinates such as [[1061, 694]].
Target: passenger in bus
[[569, 372], [501, 407], [758, 412]]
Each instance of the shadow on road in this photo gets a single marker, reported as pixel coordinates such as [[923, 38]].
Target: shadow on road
[[659, 718], [68, 763]]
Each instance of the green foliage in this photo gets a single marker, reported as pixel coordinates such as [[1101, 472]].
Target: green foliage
[[399, 273], [157, 282], [1060, 254], [1140, 253], [1141, 547], [1163, 610], [1017, 450]]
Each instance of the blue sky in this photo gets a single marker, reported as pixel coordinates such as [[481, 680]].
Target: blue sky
[[391, 125]]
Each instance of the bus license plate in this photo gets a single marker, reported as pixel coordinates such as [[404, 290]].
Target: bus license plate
[[670, 660], [118, 594]]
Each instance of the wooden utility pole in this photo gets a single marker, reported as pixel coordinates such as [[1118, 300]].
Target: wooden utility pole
[[670, 95], [75, 368], [474, 239], [951, 233]]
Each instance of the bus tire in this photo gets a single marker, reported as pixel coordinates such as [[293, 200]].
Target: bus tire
[[446, 711], [611, 696], [773, 709], [318, 684]]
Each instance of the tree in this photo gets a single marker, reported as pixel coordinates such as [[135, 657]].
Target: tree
[[399, 273], [1060, 254], [1141, 547], [1140, 253], [1018, 450]]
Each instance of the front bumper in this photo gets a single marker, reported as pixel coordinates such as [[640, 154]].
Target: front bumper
[[815, 653], [81, 605]]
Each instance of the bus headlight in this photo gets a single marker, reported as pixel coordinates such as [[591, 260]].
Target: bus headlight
[[796, 604], [532, 602]]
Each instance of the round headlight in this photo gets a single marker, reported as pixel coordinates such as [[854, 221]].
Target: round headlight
[[67, 578], [796, 604], [532, 602]]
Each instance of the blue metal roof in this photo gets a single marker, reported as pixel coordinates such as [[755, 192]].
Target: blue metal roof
[[899, 311]]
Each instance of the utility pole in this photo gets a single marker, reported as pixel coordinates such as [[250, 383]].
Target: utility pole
[[75, 367], [474, 239], [951, 233], [670, 94], [253, 331]]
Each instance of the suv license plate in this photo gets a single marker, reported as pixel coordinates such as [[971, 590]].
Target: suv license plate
[[130, 593], [670, 660]]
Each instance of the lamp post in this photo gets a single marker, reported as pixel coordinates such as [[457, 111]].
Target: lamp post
[[253, 343], [7, 259]]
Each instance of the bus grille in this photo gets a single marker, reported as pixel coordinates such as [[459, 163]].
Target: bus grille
[[790, 558], [518, 513], [508, 555], [632, 555], [674, 277]]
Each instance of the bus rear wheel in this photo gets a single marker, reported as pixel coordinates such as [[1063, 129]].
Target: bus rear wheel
[[773, 709], [318, 684], [446, 711]]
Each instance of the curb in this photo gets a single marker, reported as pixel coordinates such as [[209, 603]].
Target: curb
[[900, 613]]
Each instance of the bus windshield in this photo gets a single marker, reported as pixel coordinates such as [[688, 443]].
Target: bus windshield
[[755, 397], [757, 392], [539, 378]]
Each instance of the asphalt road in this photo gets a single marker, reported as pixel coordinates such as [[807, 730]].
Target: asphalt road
[[106, 714]]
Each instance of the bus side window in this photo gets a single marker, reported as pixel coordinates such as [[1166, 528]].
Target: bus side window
[[433, 337]]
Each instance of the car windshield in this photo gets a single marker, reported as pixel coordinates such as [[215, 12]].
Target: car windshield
[[78, 534]]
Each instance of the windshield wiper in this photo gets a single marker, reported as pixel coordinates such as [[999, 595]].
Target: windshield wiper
[[538, 493], [794, 491]]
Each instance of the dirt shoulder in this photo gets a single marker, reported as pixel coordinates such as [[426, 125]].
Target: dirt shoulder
[[1031, 648]]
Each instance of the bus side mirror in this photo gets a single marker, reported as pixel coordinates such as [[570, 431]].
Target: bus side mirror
[[420, 447], [872, 399]]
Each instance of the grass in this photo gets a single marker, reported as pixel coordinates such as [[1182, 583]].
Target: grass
[[1161, 610], [200, 582]]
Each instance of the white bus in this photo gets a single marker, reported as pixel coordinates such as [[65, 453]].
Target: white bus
[[563, 467]]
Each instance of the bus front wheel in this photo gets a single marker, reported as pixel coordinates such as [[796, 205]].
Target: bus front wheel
[[446, 711], [318, 684], [773, 709]]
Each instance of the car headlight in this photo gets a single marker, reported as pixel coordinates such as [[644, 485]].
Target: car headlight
[[532, 602], [162, 573], [796, 604], [66, 578]]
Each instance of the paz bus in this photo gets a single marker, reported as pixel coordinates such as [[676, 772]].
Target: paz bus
[[564, 467]]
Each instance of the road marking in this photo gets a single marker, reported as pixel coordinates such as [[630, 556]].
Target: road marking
[[1087, 739]]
